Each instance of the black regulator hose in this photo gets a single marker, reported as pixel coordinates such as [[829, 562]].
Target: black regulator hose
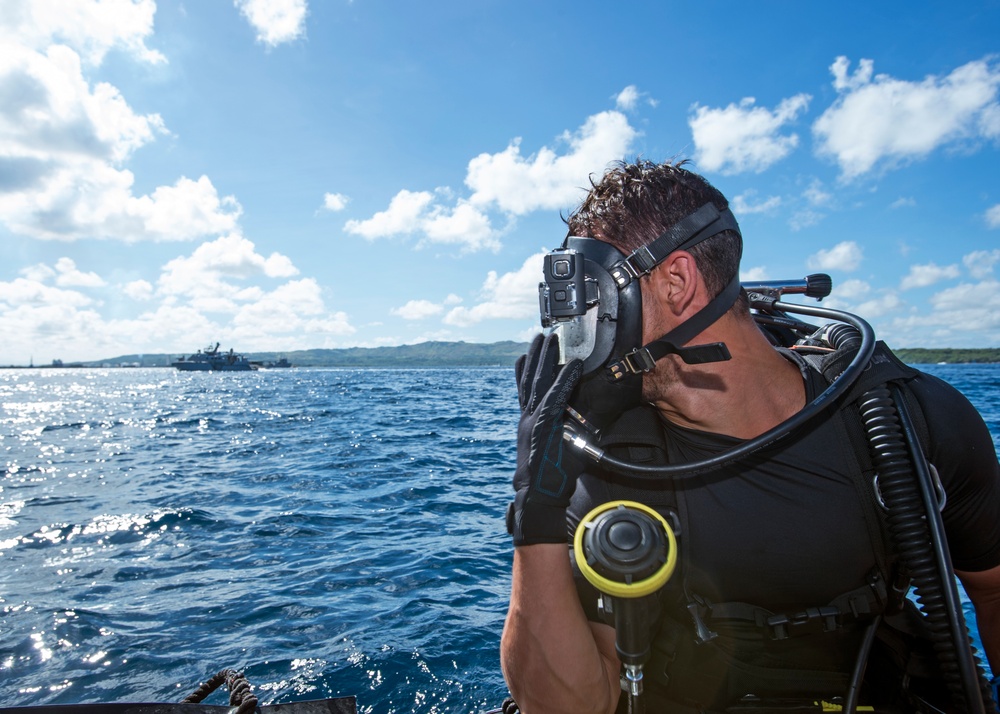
[[917, 531], [695, 468], [914, 519]]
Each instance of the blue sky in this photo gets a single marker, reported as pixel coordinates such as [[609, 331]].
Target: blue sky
[[288, 174]]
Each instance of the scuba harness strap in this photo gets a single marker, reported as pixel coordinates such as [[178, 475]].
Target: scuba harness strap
[[883, 368], [861, 603], [885, 590]]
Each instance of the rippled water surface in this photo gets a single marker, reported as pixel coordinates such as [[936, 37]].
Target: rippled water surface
[[329, 532]]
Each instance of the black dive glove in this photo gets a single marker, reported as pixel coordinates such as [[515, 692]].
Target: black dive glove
[[546, 468]]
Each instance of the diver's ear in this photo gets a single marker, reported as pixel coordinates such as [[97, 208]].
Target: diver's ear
[[676, 280]]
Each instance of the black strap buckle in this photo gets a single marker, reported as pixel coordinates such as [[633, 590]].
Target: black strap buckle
[[635, 362], [825, 618]]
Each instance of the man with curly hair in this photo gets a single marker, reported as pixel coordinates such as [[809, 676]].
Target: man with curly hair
[[783, 532]]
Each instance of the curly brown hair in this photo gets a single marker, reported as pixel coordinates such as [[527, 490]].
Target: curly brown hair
[[633, 203]]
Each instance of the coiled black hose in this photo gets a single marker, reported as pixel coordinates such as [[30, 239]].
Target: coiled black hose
[[914, 524]]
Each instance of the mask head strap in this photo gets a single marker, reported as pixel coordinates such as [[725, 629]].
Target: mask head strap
[[644, 358], [704, 223]]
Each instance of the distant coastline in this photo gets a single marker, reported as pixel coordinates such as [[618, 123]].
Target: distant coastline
[[464, 354]]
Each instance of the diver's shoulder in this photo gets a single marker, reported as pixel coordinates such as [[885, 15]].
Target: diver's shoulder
[[929, 387], [947, 411]]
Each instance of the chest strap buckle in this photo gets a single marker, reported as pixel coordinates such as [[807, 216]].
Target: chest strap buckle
[[826, 617]]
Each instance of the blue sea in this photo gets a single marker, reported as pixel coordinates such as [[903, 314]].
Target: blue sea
[[328, 532]]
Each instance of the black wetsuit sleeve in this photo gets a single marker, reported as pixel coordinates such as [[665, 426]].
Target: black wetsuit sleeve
[[962, 450]]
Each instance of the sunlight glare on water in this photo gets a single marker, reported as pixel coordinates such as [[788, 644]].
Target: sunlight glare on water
[[328, 532]]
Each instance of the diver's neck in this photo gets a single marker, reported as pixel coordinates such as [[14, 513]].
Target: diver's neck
[[743, 397]]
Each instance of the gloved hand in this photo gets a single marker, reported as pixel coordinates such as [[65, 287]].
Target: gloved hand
[[547, 469]]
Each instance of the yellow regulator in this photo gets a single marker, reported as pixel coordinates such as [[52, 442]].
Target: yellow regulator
[[625, 549], [628, 552]]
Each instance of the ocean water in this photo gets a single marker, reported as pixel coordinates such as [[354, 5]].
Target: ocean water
[[327, 532]]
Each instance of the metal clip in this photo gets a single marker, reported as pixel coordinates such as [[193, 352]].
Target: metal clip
[[622, 275], [635, 362]]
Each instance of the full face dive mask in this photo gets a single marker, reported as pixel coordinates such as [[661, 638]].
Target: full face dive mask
[[592, 301]]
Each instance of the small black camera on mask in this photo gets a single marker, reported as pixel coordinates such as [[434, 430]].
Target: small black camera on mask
[[564, 293]]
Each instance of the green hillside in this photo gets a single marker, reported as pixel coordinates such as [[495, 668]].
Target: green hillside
[[469, 354], [425, 354], [920, 355]]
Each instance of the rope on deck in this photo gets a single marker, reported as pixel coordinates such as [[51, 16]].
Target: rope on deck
[[241, 693]]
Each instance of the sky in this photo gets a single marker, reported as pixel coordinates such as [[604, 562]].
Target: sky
[[279, 175]]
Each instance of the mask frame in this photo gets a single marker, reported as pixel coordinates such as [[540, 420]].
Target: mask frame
[[586, 309], [591, 299]]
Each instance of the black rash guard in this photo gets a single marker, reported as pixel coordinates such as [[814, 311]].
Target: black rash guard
[[785, 529]]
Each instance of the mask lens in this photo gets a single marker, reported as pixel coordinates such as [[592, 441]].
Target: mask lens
[[577, 336]]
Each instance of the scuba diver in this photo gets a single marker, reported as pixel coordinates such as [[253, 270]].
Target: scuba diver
[[772, 462]]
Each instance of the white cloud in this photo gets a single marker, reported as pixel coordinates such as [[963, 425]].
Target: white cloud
[[205, 277], [993, 216], [276, 21], [506, 182], [885, 121], [418, 310], [186, 210], [844, 256], [816, 195], [50, 323], [465, 225], [508, 296], [50, 110], [903, 202], [24, 292], [422, 309], [219, 292], [857, 296], [851, 290], [969, 308], [883, 305], [138, 290], [65, 274], [291, 310], [747, 203], [547, 180], [920, 276], [91, 27], [980, 263], [415, 212], [754, 275], [335, 201], [403, 216], [628, 99], [69, 276], [968, 296], [743, 137], [804, 218], [63, 144], [38, 273]]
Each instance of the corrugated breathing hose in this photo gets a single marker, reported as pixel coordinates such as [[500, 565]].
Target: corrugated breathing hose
[[915, 526]]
